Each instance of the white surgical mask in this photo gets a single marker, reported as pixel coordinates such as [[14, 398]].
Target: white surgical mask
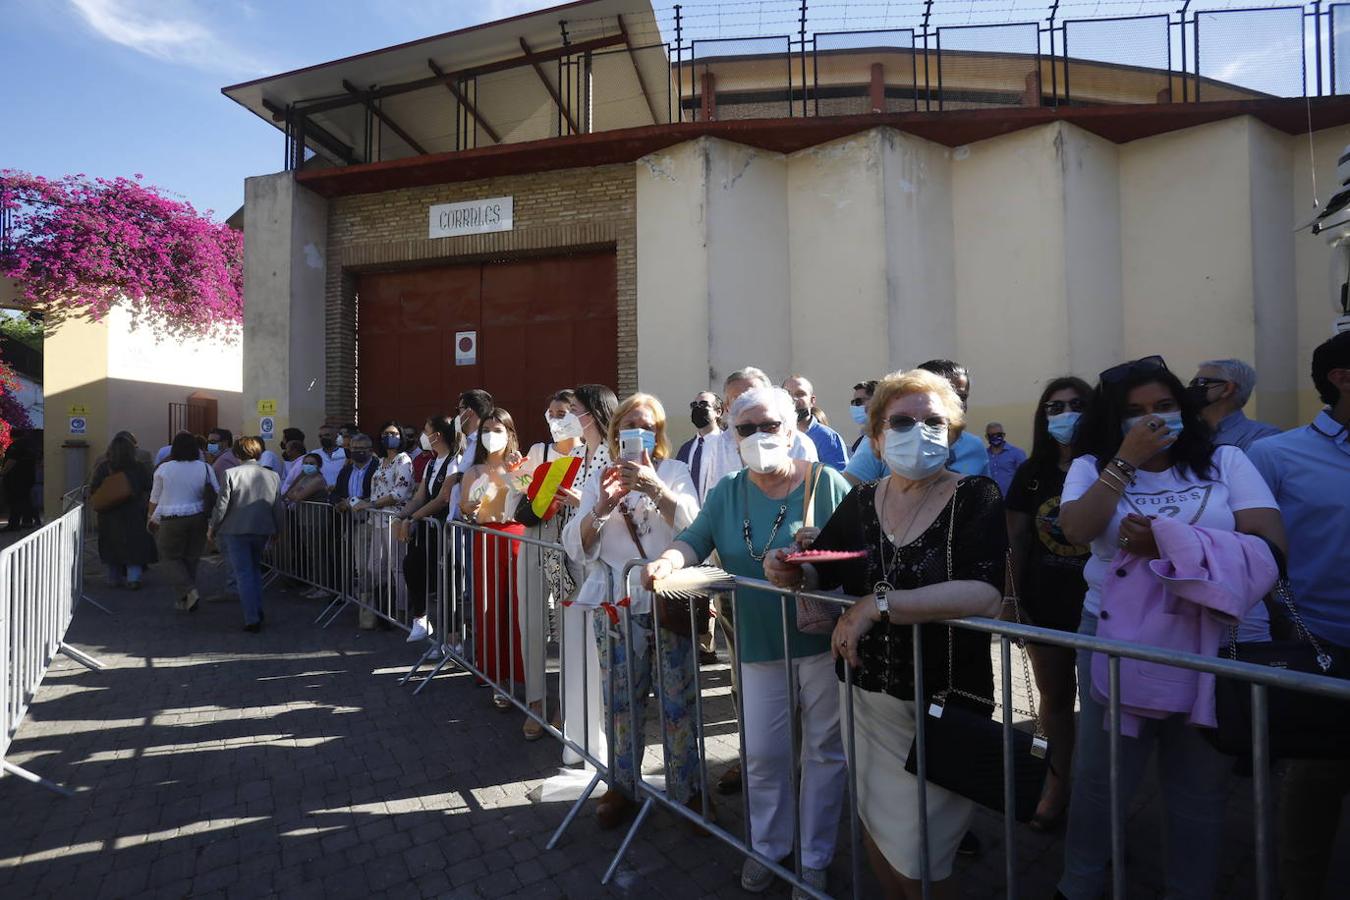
[[564, 429], [1171, 421], [340, 440], [916, 453], [494, 441], [425, 442], [764, 452]]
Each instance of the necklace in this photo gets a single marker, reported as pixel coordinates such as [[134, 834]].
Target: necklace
[[773, 532], [890, 535]]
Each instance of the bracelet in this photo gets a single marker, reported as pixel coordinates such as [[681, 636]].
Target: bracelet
[[600, 520], [1125, 468], [1117, 476], [1112, 486]]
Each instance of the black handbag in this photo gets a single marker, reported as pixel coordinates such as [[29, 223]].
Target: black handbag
[[964, 746], [1300, 725]]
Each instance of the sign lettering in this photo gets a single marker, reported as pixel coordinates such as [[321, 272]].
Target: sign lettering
[[472, 217]]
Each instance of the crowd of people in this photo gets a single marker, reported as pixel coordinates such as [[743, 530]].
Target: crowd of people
[[1148, 509]]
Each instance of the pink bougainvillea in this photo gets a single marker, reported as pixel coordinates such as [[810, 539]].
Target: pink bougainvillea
[[79, 246]]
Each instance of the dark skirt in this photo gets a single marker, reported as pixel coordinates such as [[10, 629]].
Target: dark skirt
[[122, 537]]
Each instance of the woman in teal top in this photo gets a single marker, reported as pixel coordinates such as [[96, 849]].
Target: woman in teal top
[[744, 516]]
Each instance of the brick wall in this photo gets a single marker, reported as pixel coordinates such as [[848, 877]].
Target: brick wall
[[554, 212]]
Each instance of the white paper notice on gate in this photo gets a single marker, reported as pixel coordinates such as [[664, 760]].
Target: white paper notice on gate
[[466, 348], [472, 217]]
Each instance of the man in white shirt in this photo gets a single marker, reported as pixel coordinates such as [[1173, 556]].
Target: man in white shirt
[[724, 456], [332, 457], [704, 411]]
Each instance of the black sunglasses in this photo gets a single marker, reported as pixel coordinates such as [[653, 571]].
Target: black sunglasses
[[748, 428], [700, 404], [1201, 381], [1055, 407], [998, 434], [858, 401], [905, 423], [1141, 366]]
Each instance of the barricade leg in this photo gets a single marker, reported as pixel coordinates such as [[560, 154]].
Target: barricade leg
[[80, 657], [20, 772]]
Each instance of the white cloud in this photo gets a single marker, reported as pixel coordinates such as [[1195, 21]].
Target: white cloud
[[175, 33]]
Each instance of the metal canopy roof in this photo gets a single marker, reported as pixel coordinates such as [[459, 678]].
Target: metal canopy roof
[[501, 82]]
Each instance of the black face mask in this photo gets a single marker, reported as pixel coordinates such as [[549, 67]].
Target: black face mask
[[803, 413], [360, 457], [1199, 395], [701, 416], [327, 441]]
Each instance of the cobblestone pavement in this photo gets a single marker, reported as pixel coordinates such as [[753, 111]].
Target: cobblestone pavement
[[209, 762]]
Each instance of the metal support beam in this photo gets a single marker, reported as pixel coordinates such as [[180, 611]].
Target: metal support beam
[[637, 70], [708, 96], [876, 90], [534, 60], [464, 102], [384, 117], [501, 65], [318, 134]]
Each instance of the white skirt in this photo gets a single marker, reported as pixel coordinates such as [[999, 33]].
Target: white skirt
[[888, 796]]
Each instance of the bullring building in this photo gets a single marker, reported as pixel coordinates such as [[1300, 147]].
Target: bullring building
[[588, 193]]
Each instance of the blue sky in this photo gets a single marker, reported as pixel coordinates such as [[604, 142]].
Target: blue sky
[[117, 87]]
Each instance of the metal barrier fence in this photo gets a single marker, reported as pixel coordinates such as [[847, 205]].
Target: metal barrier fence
[[480, 596], [41, 578]]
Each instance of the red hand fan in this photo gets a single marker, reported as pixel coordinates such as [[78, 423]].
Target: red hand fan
[[823, 556]]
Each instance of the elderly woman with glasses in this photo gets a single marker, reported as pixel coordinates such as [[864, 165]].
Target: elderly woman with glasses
[[934, 544], [746, 516]]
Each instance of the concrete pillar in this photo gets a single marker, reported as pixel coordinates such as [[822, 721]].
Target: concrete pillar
[[870, 259], [1037, 251], [285, 250], [712, 268]]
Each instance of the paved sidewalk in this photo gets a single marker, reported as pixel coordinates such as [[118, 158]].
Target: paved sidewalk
[[211, 762]]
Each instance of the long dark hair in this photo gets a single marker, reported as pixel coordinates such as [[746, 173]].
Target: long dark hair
[[402, 441], [498, 414], [121, 454], [600, 402], [1044, 458], [184, 448], [1099, 431]]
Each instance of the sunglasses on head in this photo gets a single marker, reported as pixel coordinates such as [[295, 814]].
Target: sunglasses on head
[[746, 429], [905, 423], [1141, 366], [1055, 407]]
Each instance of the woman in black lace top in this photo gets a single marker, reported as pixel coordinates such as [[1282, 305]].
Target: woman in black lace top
[[935, 544]]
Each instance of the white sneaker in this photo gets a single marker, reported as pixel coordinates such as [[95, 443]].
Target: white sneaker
[[755, 876], [813, 877], [421, 630]]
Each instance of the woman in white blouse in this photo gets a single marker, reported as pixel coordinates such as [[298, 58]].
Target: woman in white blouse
[[634, 509], [593, 405], [391, 486], [183, 487], [545, 575]]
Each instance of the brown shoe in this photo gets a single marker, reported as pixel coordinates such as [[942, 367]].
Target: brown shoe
[[730, 782], [696, 806], [612, 810], [532, 730]]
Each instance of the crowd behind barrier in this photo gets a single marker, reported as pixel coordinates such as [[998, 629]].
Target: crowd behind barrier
[[863, 678], [41, 578]]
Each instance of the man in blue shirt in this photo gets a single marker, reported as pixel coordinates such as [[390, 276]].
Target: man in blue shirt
[[967, 454], [1221, 387], [1308, 470], [1004, 458], [829, 445]]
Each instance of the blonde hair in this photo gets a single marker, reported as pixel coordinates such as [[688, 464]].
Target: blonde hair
[[662, 449], [915, 381]]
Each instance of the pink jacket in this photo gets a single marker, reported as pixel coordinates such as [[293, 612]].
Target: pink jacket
[[1204, 582]]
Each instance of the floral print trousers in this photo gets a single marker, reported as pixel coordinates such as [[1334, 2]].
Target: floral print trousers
[[676, 684]]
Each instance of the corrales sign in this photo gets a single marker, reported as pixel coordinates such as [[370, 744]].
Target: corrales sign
[[472, 217]]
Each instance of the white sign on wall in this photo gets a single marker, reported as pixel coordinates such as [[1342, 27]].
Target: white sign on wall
[[267, 427], [472, 217], [466, 348]]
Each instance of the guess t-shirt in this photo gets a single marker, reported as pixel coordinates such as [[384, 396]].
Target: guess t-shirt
[[1234, 484]]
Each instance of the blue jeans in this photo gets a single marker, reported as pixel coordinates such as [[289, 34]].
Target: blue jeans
[[245, 552], [118, 572], [1192, 774]]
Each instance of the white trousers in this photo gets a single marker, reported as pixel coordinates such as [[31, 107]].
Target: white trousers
[[770, 756], [583, 716]]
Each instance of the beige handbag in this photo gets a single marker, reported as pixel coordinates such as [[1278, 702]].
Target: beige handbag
[[814, 616]]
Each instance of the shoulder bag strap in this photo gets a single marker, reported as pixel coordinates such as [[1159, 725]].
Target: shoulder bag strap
[[632, 530], [808, 502]]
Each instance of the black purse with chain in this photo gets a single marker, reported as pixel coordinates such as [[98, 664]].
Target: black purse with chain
[[964, 746]]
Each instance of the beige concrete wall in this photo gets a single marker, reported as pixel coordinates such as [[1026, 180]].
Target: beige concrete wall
[[1270, 179], [74, 373]]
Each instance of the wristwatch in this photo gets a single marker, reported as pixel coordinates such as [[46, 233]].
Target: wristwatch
[[883, 605]]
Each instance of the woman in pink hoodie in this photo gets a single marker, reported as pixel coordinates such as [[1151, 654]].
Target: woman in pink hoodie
[[1149, 456]]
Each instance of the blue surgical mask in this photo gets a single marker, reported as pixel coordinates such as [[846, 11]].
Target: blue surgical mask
[[393, 441], [858, 414], [648, 438], [1171, 420], [309, 469], [917, 453], [213, 448], [1063, 426]]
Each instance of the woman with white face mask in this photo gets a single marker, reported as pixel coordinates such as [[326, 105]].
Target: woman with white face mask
[[746, 517], [544, 576], [431, 500], [634, 509], [907, 523], [484, 500]]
